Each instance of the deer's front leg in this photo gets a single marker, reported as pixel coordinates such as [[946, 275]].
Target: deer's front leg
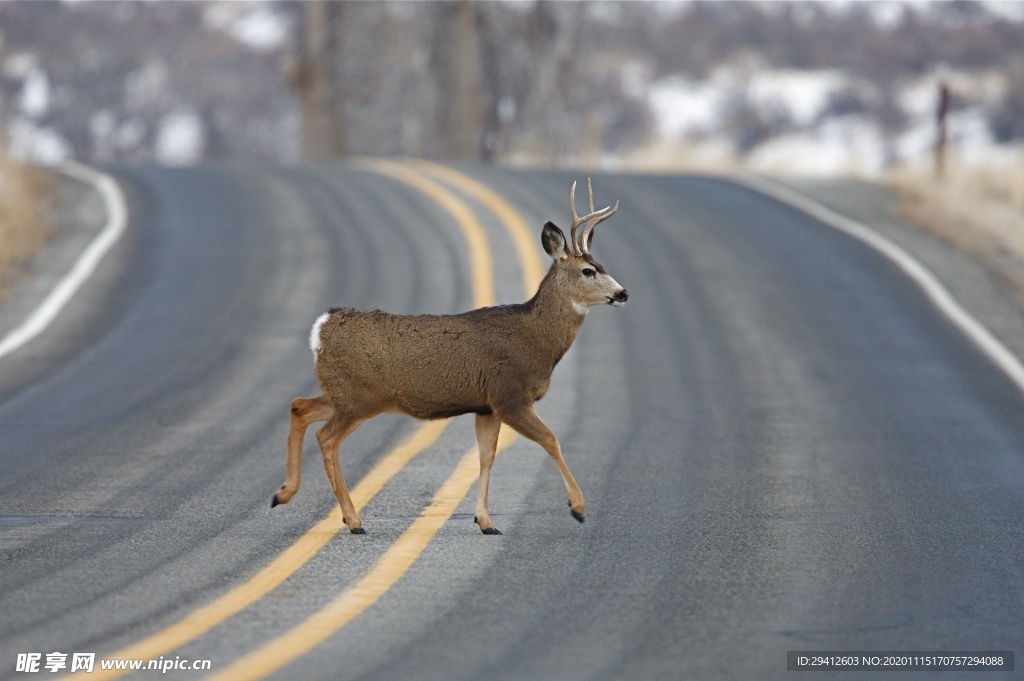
[[487, 429], [526, 422]]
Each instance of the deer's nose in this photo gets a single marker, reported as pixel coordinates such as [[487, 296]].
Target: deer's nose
[[621, 296]]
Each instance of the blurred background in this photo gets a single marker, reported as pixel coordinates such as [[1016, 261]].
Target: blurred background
[[811, 87]]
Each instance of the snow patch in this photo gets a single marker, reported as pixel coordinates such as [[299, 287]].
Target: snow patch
[[262, 29], [181, 138], [802, 94], [34, 143], [682, 107], [816, 121], [34, 100]]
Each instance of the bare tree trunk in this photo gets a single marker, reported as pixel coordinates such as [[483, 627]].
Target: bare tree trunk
[[457, 65], [318, 81], [555, 44]]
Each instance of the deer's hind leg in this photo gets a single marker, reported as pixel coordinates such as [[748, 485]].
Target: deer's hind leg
[[305, 411], [330, 438], [525, 421]]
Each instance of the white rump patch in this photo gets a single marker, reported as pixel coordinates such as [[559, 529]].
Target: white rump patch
[[314, 335]]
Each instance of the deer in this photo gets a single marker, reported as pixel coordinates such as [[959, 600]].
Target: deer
[[494, 362]]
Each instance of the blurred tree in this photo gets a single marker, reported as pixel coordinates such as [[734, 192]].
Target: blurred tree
[[457, 68], [541, 81], [553, 37], [316, 77]]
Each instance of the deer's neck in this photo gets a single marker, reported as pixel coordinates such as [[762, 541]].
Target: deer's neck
[[556, 319]]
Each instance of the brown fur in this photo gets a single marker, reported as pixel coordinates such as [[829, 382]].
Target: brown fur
[[494, 362]]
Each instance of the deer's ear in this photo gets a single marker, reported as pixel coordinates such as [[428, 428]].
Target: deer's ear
[[554, 241]]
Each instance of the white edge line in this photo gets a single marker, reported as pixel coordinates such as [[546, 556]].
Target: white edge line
[[938, 294], [84, 266]]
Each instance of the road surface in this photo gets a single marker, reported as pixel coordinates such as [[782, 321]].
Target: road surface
[[783, 445]]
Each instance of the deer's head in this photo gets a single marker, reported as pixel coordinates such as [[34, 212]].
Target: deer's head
[[575, 272]]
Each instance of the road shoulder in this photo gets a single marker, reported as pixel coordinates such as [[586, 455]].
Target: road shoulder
[[979, 288], [71, 285], [78, 216]]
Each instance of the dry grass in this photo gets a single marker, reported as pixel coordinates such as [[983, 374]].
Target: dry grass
[[25, 221], [978, 207]]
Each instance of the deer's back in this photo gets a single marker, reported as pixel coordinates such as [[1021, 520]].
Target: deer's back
[[428, 366]]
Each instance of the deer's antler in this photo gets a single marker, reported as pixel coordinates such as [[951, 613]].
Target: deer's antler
[[594, 216], [598, 218]]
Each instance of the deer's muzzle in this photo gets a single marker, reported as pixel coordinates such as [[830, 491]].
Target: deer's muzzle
[[620, 297]]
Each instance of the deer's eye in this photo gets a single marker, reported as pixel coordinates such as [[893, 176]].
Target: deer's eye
[[587, 272]]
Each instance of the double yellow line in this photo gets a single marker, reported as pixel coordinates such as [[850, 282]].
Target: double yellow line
[[404, 552]]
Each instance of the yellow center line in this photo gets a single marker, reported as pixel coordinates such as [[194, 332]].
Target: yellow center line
[[205, 618], [374, 584], [524, 239], [482, 269], [354, 600]]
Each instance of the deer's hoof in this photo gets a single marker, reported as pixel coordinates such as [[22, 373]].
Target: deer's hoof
[[578, 516], [489, 530], [353, 530], [278, 499]]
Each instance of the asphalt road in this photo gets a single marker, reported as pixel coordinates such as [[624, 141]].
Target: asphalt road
[[782, 444]]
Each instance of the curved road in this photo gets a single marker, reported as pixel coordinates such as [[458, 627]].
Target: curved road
[[782, 444]]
